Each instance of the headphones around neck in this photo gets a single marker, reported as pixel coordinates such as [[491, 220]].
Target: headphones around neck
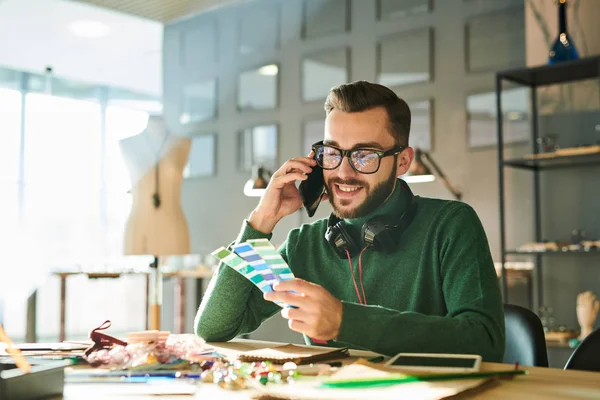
[[376, 233]]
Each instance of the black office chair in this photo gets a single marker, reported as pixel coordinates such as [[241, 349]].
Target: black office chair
[[586, 356], [525, 340]]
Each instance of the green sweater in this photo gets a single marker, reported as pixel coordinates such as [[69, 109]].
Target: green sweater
[[437, 293]]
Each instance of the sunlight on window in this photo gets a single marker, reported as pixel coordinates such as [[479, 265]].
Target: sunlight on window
[[62, 143], [10, 149], [68, 208], [10, 135], [62, 177]]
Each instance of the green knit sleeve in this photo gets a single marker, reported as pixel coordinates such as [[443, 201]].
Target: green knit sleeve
[[232, 305], [474, 322]]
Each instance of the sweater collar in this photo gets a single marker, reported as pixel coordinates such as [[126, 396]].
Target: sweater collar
[[393, 207]]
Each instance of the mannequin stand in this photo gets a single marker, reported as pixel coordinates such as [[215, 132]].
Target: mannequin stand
[[156, 289]]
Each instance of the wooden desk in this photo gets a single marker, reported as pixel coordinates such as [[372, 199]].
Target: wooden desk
[[540, 383], [180, 304]]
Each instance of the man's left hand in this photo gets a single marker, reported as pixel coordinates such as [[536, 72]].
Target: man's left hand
[[319, 314]]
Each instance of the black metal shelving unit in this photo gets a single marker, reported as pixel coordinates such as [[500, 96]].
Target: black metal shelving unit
[[534, 78]]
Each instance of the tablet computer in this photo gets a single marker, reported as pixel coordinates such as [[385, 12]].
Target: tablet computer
[[437, 362]]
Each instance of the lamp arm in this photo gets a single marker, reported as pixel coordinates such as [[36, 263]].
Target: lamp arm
[[441, 175]]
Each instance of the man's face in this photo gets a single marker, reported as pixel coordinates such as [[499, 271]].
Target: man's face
[[351, 193]]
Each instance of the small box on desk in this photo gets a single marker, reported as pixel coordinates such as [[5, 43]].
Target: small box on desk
[[46, 379]]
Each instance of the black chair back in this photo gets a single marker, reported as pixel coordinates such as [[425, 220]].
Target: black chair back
[[525, 340], [586, 356]]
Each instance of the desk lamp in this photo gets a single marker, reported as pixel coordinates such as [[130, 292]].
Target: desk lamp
[[420, 172], [256, 186]]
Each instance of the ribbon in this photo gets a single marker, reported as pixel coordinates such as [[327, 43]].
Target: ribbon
[[102, 340]]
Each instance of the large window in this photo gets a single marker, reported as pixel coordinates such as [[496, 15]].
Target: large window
[[62, 177], [64, 188], [76, 182], [10, 150], [10, 135]]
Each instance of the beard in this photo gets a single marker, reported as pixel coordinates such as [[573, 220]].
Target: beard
[[375, 197]]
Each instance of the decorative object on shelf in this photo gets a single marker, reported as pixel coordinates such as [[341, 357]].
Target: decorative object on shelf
[[539, 247], [577, 236], [547, 143], [547, 318], [587, 312], [420, 172], [256, 186], [576, 245], [555, 334], [563, 48], [589, 245]]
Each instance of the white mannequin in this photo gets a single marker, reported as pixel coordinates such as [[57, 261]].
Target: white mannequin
[[151, 230]]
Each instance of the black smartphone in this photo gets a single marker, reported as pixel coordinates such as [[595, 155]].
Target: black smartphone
[[312, 189]]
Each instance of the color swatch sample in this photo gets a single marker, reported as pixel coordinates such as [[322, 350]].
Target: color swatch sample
[[247, 252], [240, 265], [258, 261], [267, 252]]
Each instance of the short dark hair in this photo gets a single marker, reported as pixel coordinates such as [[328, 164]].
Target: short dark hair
[[362, 95]]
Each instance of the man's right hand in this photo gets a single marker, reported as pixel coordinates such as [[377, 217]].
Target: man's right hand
[[281, 197]]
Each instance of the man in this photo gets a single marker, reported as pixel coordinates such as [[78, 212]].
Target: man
[[433, 290]]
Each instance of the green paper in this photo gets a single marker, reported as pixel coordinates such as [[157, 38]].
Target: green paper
[[401, 378]]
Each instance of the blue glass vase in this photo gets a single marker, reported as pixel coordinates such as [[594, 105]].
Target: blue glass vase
[[563, 48]]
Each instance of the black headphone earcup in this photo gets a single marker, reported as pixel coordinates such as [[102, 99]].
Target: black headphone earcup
[[338, 237], [379, 233], [376, 235]]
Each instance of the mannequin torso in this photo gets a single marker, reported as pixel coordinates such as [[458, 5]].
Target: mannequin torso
[[156, 224]]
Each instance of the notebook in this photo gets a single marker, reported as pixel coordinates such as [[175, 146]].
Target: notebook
[[293, 353]]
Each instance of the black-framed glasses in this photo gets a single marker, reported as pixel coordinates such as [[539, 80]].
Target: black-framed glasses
[[365, 161]]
